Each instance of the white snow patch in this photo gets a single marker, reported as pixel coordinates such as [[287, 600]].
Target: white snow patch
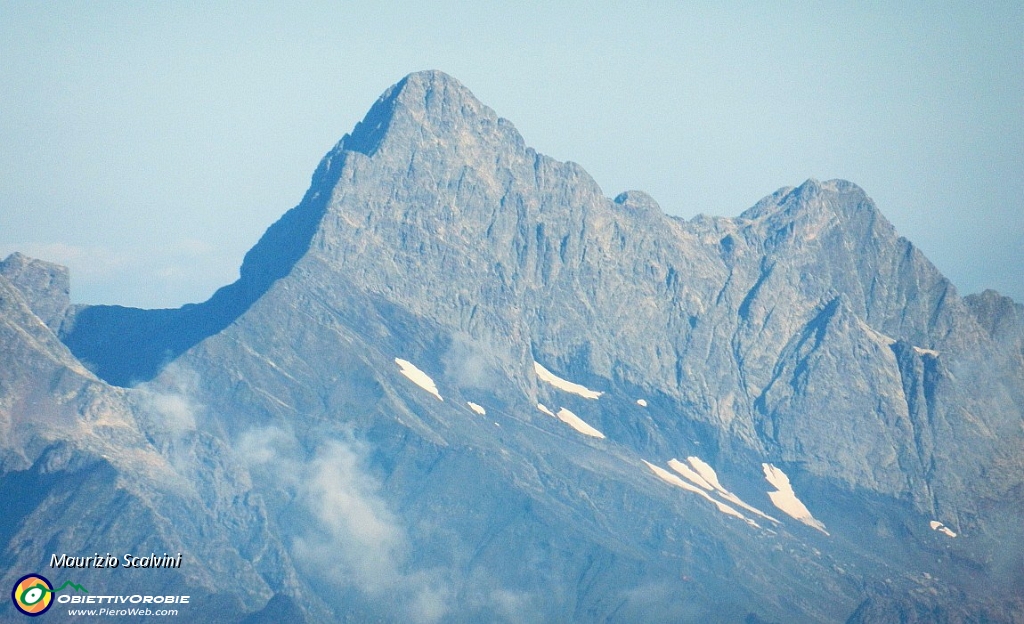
[[641, 402], [931, 352], [785, 498], [941, 528], [670, 478], [578, 424], [418, 377], [563, 384], [685, 470], [477, 408], [709, 476], [544, 408], [705, 471]]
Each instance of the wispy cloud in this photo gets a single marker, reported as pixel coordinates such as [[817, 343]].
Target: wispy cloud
[[168, 402], [471, 363], [348, 536]]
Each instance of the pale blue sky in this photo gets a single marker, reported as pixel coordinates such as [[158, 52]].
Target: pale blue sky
[[148, 145]]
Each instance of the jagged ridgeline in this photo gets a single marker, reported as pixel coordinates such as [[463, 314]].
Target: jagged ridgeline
[[459, 383]]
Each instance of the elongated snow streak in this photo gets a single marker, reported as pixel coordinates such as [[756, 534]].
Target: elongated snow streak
[[941, 528], [785, 498], [709, 476], [931, 352], [641, 402], [479, 409], [418, 377], [578, 424], [670, 478], [563, 384], [693, 477], [544, 408]]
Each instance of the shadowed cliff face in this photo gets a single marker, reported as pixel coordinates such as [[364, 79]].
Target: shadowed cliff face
[[373, 374], [126, 346]]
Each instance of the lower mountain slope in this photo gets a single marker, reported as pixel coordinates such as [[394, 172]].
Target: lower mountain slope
[[86, 466]]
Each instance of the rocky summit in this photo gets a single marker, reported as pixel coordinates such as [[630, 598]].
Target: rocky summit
[[459, 383]]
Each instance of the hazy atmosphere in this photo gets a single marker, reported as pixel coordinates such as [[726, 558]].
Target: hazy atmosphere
[[149, 146], [456, 381]]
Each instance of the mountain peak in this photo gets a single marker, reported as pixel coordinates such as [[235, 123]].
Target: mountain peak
[[432, 80], [433, 89], [832, 196], [424, 107]]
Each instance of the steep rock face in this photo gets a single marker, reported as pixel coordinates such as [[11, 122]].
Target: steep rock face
[[512, 505], [373, 377], [486, 237]]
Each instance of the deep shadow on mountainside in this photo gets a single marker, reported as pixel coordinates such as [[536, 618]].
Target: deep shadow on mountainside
[[459, 383]]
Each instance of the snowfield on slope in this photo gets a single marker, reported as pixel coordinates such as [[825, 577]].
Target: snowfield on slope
[[563, 384], [708, 476], [941, 528], [418, 377], [577, 423], [672, 479], [785, 498]]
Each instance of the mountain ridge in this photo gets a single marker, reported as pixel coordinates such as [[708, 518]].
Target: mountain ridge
[[416, 115], [804, 335]]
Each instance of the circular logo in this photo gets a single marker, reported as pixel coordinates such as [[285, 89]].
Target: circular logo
[[32, 594]]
